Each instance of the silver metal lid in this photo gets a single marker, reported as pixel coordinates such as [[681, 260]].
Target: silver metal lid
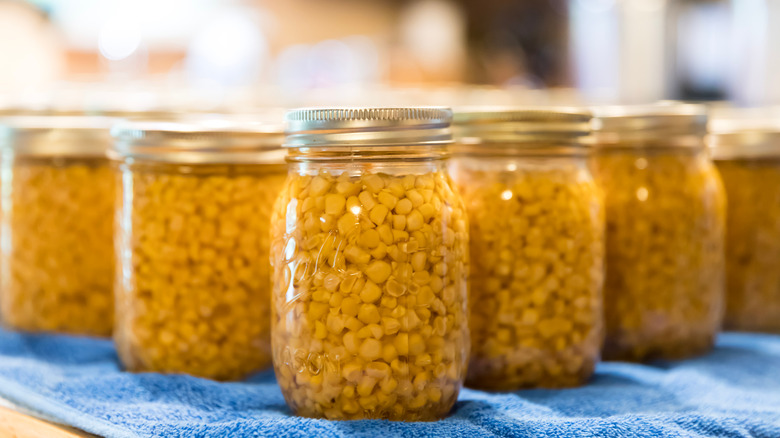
[[57, 135], [744, 133], [371, 127], [666, 124], [521, 125], [199, 141]]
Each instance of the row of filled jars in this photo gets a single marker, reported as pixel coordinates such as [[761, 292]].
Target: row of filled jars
[[378, 264]]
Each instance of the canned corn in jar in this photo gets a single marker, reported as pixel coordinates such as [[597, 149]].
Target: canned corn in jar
[[747, 154], [193, 288], [537, 246], [370, 261], [665, 210], [58, 208]]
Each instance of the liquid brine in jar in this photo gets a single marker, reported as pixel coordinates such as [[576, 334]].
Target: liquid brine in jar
[[58, 195], [537, 246], [193, 290], [370, 261]]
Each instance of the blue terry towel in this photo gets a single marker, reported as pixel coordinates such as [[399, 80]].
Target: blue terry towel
[[733, 392]]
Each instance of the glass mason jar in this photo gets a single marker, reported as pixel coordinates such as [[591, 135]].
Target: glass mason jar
[[665, 208], [370, 261], [747, 154], [537, 247], [193, 283], [57, 225]]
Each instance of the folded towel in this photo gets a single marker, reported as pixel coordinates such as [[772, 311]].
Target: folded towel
[[734, 391]]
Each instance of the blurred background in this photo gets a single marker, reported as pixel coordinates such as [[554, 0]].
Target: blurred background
[[239, 55]]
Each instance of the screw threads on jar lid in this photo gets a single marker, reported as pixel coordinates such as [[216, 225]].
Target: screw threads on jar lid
[[369, 127], [663, 124], [55, 135], [199, 141], [521, 125], [744, 133]]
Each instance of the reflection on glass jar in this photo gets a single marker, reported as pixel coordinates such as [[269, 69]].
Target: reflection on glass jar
[[58, 194], [665, 210], [370, 261], [193, 292], [537, 247]]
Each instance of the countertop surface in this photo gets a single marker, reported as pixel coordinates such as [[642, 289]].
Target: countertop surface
[[18, 422]]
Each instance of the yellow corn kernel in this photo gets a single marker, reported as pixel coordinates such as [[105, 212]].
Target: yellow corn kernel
[[386, 234], [352, 371], [353, 324], [370, 239], [418, 261], [416, 344], [350, 407], [388, 386], [368, 314], [318, 310], [425, 297], [378, 271], [379, 252], [414, 221], [423, 360], [387, 199], [350, 306], [427, 211], [399, 224], [351, 342], [336, 298], [401, 344], [370, 292], [366, 386], [375, 330], [390, 325], [369, 403], [378, 215], [421, 380], [370, 349], [374, 183], [403, 207], [334, 203], [320, 331], [367, 200], [378, 370], [348, 391], [347, 188], [319, 186], [400, 367], [389, 353], [331, 283], [335, 324]]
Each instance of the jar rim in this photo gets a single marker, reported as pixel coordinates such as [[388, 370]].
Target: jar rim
[[199, 140], [56, 135], [521, 125], [368, 127], [668, 124], [751, 143], [744, 133]]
